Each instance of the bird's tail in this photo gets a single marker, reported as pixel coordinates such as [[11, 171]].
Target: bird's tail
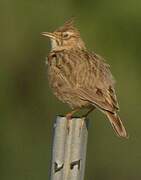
[[116, 124]]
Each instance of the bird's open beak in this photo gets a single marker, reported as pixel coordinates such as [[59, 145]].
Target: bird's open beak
[[48, 34]]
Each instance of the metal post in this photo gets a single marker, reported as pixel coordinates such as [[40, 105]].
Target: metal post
[[69, 149]]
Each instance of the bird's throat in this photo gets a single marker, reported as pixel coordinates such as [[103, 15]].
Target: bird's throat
[[54, 44]]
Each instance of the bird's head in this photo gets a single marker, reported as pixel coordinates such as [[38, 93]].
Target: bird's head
[[65, 37]]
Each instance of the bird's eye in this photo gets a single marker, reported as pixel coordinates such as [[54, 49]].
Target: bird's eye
[[65, 35]]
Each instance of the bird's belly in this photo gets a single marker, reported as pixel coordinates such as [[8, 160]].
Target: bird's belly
[[65, 91]]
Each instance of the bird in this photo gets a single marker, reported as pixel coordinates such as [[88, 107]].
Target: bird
[[81, 78]]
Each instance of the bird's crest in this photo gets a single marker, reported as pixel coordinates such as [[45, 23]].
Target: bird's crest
[[68, 25]]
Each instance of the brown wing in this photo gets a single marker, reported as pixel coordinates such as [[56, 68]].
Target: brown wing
[[97, 84], [91, 80]]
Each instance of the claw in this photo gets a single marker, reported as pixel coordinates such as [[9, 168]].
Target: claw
[[68, 117], [81, 125]]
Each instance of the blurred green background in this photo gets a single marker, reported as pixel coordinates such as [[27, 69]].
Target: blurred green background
[[27, 105]]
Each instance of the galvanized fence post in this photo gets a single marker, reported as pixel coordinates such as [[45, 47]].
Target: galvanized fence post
[[69, 149]]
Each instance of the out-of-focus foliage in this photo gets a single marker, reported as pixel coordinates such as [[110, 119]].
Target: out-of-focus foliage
[[27, 106]]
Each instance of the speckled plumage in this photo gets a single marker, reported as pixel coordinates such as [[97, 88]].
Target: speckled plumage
[[73, 73], [81, 78]]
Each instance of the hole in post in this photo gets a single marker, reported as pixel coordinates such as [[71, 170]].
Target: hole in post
[[75, 163], [57, 167]]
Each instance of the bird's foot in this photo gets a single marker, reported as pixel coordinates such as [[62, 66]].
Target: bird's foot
[[81, 125], [69, 117]]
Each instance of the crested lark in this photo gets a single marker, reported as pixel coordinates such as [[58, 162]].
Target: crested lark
[[81, 78]]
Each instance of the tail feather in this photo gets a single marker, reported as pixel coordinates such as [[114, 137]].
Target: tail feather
[[117, 124]]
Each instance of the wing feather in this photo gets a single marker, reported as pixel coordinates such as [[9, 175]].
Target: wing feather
[[98, 85]]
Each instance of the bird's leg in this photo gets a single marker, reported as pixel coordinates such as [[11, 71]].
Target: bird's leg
[[83, 118], [89, 111], [69, 117]]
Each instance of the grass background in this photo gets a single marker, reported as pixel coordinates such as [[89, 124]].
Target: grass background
[[27, 105]]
